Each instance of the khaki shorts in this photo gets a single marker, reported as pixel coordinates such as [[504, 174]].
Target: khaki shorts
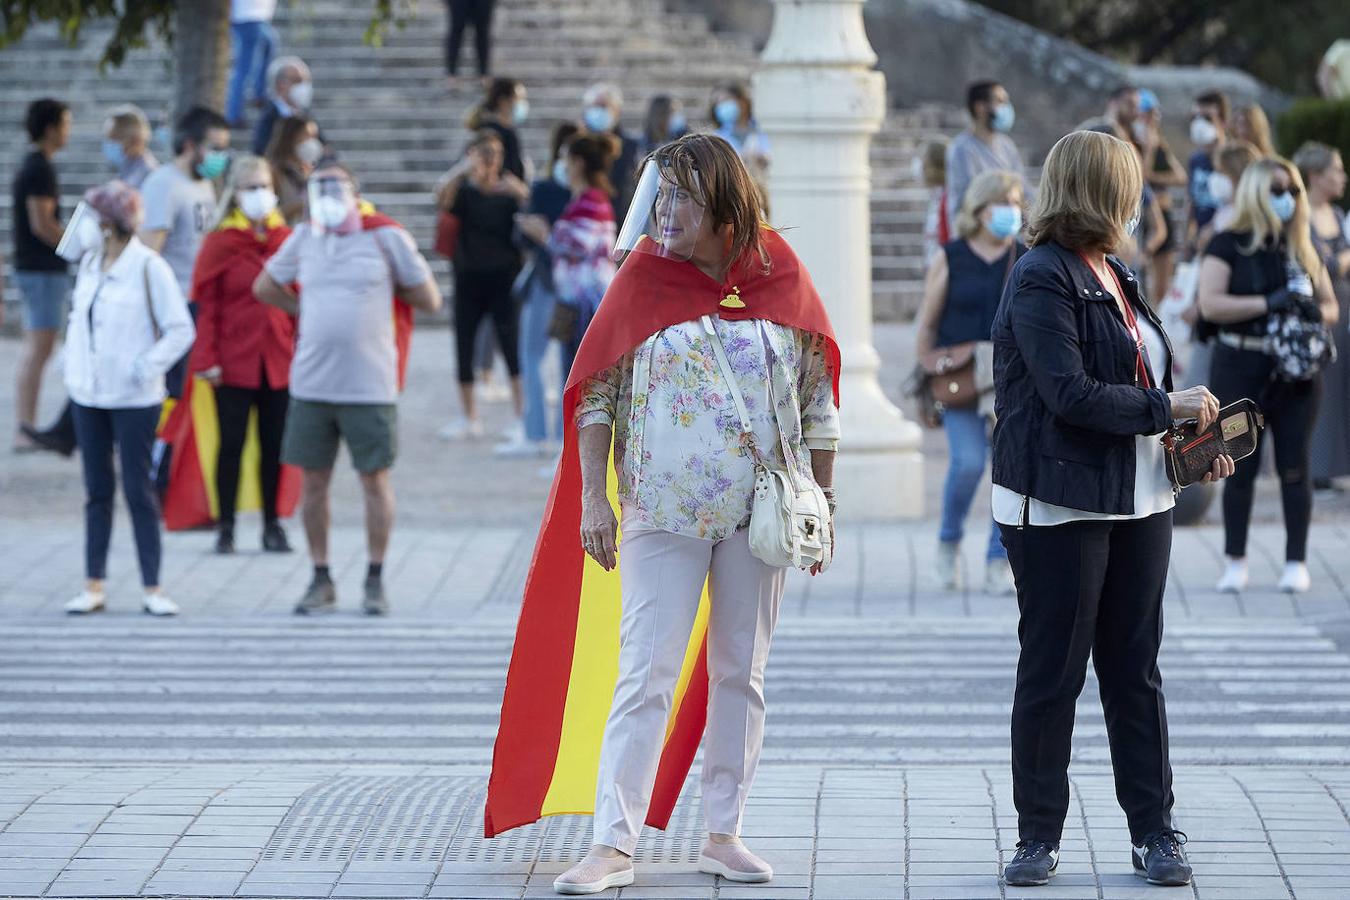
[[314, 430]]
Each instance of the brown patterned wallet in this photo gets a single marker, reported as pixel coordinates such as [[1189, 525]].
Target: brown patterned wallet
[[1191, 453]]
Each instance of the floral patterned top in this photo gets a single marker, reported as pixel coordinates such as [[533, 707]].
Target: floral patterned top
[[677, 445]]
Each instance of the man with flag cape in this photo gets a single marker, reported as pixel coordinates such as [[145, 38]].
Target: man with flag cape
[[617, 666]]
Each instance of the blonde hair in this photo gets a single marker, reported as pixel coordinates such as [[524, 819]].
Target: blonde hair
[[1255, 214], [229, 200], [992, 186], [1091, 187], [124, 120], [1258, 125]]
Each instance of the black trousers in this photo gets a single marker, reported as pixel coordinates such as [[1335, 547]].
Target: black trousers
[[478, 296], [463, 13], [1290, 408], [233, 405], [132, 433], [1090, 588]]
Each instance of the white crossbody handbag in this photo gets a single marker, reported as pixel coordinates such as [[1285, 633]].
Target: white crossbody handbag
[[789, 517]]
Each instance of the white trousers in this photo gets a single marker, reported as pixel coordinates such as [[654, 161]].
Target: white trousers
[[662, 578]]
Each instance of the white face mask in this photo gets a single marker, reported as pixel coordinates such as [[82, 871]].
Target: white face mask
[[1140, 129], [302, 94], [257, 203], [309, 151], [1220, 187], [1203, 132], [331, 212]]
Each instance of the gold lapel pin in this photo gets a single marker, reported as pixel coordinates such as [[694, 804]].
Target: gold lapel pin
[[733, 300]]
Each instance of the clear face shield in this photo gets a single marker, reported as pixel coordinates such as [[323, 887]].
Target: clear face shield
[[332, 203], [83, 233], [665, 217]]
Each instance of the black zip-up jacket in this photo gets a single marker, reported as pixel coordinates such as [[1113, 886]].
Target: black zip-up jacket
[[1066, 403]]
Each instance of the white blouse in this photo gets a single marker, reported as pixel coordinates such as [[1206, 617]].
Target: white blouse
[[113, 357], [1152, 488]]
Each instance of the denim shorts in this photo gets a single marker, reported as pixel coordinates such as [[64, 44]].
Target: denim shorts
[[44, 299]]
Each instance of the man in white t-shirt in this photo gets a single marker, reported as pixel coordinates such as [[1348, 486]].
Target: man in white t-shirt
[[345, 375]]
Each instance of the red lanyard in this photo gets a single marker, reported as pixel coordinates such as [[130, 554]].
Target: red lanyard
[[1131, 322]]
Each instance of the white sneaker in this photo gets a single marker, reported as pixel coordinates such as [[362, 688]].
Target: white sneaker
[[84, 602], [522, 448], [462, 429], [157, 604], [947, 565], [595, 874], [494, 391], [1234, 578], [998, 578], [1295, 578]]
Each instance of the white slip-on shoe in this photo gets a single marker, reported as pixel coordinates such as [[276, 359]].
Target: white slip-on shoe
[[734, 862], [1295, 578], [84, 602], [462, 429], [947, 565], [1234, 577], [998, 578], [157, 604], [595, 874]]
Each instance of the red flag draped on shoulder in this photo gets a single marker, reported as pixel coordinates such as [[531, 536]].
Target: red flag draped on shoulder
[[565, 661]]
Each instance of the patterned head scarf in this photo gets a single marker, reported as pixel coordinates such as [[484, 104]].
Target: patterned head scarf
[[118, 203]]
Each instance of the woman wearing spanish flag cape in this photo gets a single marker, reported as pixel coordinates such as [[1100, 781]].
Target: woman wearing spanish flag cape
[[711, 357]]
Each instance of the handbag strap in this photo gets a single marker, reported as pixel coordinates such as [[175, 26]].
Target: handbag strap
[[747, 431]]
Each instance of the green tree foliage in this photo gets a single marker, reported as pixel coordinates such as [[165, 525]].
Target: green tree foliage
[[1279, 42], [1314, 119]]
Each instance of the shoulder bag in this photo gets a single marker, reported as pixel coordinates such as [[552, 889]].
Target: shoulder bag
[[789, 516]]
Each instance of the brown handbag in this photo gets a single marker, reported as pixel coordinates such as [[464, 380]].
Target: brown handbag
[[1190, 453], [951, 375]]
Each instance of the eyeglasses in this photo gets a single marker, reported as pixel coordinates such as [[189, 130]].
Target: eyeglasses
[[1280, 192]]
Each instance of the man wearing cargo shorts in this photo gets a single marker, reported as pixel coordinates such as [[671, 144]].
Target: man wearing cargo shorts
[[344, 377]]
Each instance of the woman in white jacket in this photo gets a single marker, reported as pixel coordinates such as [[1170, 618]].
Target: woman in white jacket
[[129, 323]]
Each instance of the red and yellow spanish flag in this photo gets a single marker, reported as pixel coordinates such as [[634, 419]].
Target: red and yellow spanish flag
[[565, 661]]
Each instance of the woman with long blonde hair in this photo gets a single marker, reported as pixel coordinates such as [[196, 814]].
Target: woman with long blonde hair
[[1265, 266]]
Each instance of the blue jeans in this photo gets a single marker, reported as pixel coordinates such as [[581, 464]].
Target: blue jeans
[[132, 432], [535, 315], [253, 44], [968, 449]]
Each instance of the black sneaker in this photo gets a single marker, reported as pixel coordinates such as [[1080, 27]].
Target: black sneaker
[[225, 537], [274, 539], [375, 603], [1161, 860], [1034, 864], [49, 439], [321, 597]]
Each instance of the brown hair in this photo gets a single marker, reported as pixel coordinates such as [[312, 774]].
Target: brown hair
[[736, 91], [709, 168], [561, 135], [597, 153], [934, 156], [286, 136], [498, 89], [1091, 187], [1258, 125], [1233, 158], [1216, 99]]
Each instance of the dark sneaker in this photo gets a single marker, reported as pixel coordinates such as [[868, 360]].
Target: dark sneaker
[[49, 439], [375, 603], [225, 538], [1161, 860], [321, 597], [1034, 864], [274, 539]]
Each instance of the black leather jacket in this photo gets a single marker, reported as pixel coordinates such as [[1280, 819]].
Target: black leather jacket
[[1066, 401]]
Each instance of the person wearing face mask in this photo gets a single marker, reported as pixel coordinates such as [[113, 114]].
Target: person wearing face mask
[[180, 201], [664, 123], [537, 294], [290, 93], [1162, 173], [984, 145], [295, 149], [964, 284], [504, 109], [128, 324], [243, 349], [1324, 174], [1261, 271], [1209, 121], [358, 278], [602, 105], [732, 111], [126, 144]]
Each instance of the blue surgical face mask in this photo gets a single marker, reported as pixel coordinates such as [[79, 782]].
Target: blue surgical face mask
[[520, 111], [1003, 118], [1005, 220], [560, 174], [678, 123], [598, 118], [1283, 205], [113, 153], [214, 164], [727, 112]]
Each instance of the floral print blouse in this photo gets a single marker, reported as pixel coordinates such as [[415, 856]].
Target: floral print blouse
[[677, 436]]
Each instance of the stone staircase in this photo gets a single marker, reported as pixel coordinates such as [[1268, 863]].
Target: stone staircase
[[389, 114]]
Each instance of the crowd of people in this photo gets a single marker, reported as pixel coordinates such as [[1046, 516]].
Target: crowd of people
[[1243, 248]]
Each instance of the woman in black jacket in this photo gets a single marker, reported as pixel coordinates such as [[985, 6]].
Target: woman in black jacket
[[1082, 374]]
